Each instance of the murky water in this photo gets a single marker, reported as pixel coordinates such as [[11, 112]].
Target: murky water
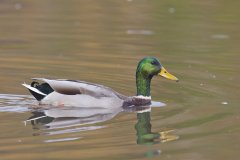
[[102, 42]]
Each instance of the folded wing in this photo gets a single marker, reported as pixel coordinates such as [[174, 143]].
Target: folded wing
[[72, 87]]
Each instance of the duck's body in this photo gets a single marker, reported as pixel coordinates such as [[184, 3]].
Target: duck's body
[[73, 93]]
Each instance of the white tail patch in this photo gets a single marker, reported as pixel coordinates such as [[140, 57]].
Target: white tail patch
[[33, 89], [33, 119]]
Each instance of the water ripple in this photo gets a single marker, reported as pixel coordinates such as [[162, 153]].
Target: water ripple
[[15, 103]]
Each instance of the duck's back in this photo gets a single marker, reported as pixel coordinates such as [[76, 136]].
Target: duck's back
[[73, 87], [75, 93]]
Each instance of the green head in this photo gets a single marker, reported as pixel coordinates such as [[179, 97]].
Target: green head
[[146, 69]]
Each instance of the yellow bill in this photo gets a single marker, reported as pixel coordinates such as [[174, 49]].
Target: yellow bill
[[167, 75]]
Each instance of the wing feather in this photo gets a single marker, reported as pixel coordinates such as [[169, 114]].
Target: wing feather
[[72, 87]]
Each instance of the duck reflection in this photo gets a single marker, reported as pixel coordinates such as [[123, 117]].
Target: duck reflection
[[82, 119], [59, 120], [146, 136], [143, 128]]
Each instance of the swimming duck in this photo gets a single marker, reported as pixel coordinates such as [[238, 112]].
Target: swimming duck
[[74, 93]]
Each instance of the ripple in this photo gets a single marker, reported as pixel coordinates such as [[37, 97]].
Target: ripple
[[15, 103], [61, 139], [139, 32], [74, 130]]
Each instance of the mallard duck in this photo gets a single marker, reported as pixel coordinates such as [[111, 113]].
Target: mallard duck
[[63, 92]]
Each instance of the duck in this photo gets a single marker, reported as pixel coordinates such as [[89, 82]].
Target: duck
[[76, 93]]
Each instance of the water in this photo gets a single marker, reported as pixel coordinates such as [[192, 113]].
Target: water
[[101, 42]]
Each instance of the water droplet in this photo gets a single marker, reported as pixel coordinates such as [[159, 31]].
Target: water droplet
[[139, 32], [18, 6], [224, 103], [171, 10], [220, 36]]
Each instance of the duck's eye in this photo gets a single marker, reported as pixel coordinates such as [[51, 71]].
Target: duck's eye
[[156, 63]]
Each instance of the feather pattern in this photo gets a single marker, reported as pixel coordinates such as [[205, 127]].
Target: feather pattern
[[72, 87], [33, 89], [78, 94]]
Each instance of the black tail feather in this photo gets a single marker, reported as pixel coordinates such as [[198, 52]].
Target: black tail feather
[[44, 88]]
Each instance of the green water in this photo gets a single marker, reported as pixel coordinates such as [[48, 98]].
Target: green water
[[102, 42]]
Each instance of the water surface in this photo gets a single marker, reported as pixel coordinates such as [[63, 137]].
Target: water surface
[[101, 42]]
